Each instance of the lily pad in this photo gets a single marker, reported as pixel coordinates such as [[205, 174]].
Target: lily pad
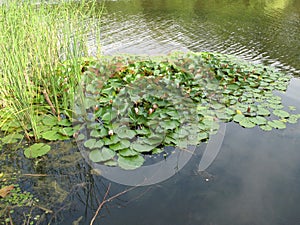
[[266, 127], [262, 111], [277, 124], [99, 133], [125, 132], [142, 147], [281, 113], [114, 139], [123, 144], [12, 138], [247, 123], [238, 117], [93, 143], [130, 162], [36, 150], [67, 131], [53, 135], [259, 120], [64, 122], [102, 155], [50, 120], [128, 152]]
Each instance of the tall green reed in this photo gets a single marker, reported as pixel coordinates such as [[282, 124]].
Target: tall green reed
[[41, 47]]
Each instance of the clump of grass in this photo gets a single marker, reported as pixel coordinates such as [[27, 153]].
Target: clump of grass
[[41, 45]]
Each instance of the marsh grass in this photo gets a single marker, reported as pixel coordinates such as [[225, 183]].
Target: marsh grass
[[41, 47]]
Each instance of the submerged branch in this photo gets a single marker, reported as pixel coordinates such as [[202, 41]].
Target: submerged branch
[[104, 201]]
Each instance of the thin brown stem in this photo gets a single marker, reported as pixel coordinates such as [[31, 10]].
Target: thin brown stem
[[49, 102], [104, 201]]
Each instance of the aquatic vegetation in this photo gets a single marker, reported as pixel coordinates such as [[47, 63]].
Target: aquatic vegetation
[[130, 107], [12, 198], [40, 50]]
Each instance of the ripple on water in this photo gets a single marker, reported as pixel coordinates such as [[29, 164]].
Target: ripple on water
[[270, 36]]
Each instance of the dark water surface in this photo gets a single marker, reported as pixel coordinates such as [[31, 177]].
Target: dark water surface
[[255, 178]]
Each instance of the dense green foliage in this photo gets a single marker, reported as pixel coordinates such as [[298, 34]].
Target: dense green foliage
[[40, 48], [130, 106]]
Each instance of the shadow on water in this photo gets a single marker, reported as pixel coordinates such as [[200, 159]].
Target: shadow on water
[[255, 178]]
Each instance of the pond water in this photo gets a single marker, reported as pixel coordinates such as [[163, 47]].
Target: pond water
[[255, 178]]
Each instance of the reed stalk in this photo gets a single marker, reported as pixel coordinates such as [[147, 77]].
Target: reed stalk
[[41, 47]]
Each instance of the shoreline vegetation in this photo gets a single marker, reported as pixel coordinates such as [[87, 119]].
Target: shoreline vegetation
[[120, 109], [41, 45], [46, 60]]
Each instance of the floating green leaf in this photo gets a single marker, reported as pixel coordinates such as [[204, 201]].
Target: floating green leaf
[[12, 138], [281, 113], [123, 144], [101, 155], [111, 163], [50, 120], [36, 150], [128, 152], [67, 131], [52, 135], [246, 122], [277, 124], [262, 111], [125, 132], [114, 139], [99, 133], [259, 120], [266, 127], [131, 162], [153, 139], [238, 117], [65, 123], [293, 119], [93, 143], [139, 147]]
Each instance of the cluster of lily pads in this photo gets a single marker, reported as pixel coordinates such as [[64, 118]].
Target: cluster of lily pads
[[130, 107], [50, 127]]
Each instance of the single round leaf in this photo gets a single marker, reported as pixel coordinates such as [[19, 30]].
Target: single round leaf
[[102, 155], [262, 111], [281, 113], [11, 138], [259, 120], [125, 132], [246, 122], [93, 143], [50, 120], [130, 163], [52, 135], [123, 144], [266, 127], [142, 147], [238, 117], [36, 150], [128, 152], [277, 124]]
